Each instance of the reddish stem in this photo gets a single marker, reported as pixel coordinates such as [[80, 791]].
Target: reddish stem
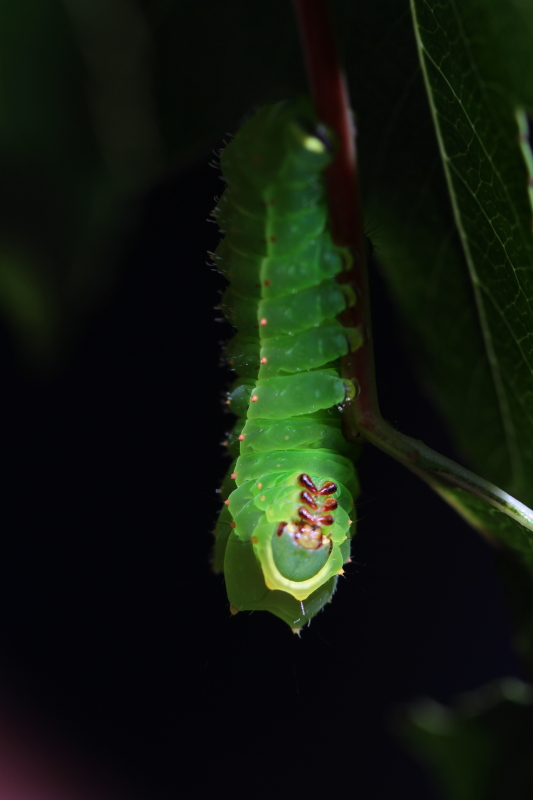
[[330, 95]]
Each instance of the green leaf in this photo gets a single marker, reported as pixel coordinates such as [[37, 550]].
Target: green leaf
[[474, 106], [480, 749]]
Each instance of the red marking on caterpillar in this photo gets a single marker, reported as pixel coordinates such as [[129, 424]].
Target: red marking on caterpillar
[[328, 488], [254, 398], [263, 321], [241, 437], [330, 504], [305, 481], [226, 502], [307, 498], [273, 239], [280, 528], [233, 525], [266, 283], [305, 514], [234, 476], [264, 360]]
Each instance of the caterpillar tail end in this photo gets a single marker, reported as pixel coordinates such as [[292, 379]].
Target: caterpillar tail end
[[247, 590]]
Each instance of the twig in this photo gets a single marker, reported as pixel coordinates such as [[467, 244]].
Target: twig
[[362, 416]]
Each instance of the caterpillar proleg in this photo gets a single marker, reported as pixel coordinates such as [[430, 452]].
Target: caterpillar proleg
[[284, 531]]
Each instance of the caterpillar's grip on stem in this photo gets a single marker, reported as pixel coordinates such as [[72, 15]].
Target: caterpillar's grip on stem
[[283, 535]]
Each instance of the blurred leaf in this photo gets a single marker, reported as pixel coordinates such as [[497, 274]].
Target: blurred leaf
[[481, 749], [77, 144]]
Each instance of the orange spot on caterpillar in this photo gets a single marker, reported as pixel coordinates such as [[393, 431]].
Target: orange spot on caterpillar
[[241, 437], [286, 437], [254, 398], [350, 521], [234, 476], [254, 540], [266, 283], [233, 525], [263, 321], [232, 609], [226, 502], [262, 498], [264, 360], [259, 485], [340, 572]]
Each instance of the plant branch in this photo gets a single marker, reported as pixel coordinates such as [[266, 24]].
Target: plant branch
[[362, 416]]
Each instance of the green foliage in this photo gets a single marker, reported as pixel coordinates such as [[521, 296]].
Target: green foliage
[[480, 749]]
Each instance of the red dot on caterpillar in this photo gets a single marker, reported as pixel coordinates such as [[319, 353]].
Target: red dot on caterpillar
[[263, 321], [234, 476], [254, 398], [233, 525], [273, 239], [262, 498], [280, 528], [241, 437], [266, 283], [264, 360], [226, 502], [259, 485]]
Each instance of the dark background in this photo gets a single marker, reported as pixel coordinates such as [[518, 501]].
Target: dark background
[[115, 633]]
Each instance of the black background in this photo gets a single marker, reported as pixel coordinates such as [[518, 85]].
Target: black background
[[113, 629]]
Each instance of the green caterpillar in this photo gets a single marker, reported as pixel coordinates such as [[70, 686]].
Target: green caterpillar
[[284, 531]]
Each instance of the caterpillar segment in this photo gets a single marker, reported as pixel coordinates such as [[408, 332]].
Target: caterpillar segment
[[283, 534]]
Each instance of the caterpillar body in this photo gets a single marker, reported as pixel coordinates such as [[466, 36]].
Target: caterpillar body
[[284, 531]]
